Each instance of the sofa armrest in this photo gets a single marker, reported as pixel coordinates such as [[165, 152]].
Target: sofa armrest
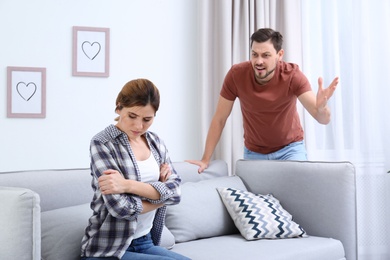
[[20, 236], [321, 196]]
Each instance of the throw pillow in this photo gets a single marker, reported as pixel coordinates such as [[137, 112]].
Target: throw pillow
[[259, 216]]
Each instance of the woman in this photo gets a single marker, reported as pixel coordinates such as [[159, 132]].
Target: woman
[[133, 181]]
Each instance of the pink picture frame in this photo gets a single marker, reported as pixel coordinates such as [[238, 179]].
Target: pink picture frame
[[26, 92], [91, 51]]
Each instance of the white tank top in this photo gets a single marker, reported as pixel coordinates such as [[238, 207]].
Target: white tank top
[[150, 172]]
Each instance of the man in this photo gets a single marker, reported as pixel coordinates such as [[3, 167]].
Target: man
[[268, 89]]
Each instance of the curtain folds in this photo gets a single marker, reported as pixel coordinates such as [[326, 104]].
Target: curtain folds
[[342, 38]]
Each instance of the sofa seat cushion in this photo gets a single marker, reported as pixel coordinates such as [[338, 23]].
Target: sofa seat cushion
[[236, 247], [201, 212]]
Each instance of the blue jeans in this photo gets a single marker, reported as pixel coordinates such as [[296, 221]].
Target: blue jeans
[[294, 151], [143, 249]]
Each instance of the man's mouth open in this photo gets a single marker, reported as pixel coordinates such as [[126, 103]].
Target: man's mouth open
[[260, 70]]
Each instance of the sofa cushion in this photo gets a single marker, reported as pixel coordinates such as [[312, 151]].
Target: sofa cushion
[[259, 216], [201, 213], [63, 229], [167, 238], [236, 247]]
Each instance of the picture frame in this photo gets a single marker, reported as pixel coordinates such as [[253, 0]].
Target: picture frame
[[91, 51], [26, 92]]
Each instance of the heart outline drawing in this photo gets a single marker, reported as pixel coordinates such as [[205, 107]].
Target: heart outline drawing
[[89, 50], [25, 93]]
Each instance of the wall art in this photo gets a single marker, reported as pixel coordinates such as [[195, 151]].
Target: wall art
[[26, 92], [91, 55]]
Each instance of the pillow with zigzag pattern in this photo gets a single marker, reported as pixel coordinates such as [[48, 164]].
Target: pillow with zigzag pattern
[[259, 216]]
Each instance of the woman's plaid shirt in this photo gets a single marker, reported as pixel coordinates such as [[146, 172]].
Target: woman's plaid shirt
[[114, 220]]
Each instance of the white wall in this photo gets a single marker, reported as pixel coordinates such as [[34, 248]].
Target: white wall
[[155, 39]]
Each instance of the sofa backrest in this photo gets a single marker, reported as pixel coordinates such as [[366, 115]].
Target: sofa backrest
[[321, 196], [189, 172], [72, 187], [56, 188]]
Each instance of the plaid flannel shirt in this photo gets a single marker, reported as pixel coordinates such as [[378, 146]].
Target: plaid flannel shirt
[[114, 220]]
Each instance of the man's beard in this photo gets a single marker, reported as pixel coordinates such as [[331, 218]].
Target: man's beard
[[267, 74]]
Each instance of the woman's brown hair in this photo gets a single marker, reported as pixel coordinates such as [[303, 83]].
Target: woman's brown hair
[[138, 92]]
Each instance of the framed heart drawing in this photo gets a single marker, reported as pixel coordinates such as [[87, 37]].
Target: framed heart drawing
[[91, 51], [26, 92]]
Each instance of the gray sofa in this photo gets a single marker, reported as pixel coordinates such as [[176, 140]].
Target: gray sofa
[[44, 213]]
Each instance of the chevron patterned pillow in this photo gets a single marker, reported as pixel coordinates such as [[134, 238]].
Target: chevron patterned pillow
[[259, 216]]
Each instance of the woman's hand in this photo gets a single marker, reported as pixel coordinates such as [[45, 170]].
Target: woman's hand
[[165, 172], [112, 182]]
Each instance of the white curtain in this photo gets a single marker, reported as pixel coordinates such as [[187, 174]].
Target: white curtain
[[225, 40], [351, 39]]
